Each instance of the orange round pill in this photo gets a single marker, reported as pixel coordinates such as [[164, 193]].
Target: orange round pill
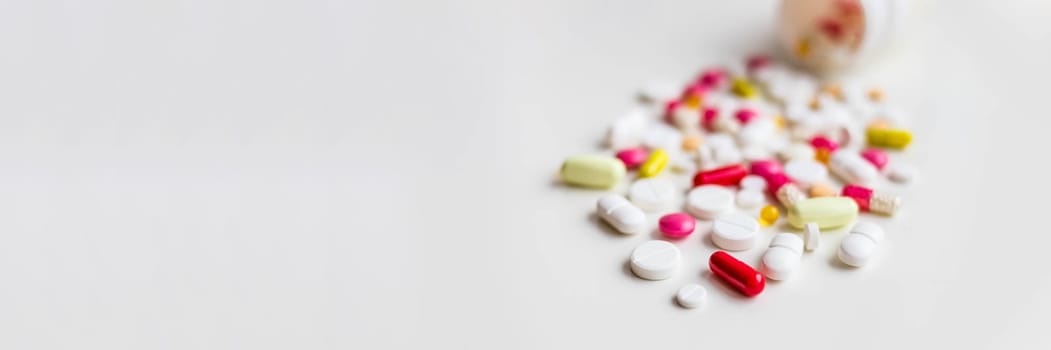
[[691, 143]]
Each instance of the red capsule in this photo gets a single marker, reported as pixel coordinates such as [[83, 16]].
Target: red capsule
[[736, 273], [728, 175]]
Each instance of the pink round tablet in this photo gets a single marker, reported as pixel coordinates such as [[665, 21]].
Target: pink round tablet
[[632, 157], [677, 225], [745, 115], [875, 156]]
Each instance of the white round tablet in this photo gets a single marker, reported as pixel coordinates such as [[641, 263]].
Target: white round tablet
[[749, 198], [735, 231], [652, 194], [709, 201], [753, 182], [797, 151], [655, 260], [782, 257], [692, 296], [811, 236], [753, 153], [806, 172]]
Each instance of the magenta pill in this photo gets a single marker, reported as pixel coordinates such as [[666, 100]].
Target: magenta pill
[[632, 157], [677, 225], [875, 156], [708, 116], [822, 142], [745, 115]]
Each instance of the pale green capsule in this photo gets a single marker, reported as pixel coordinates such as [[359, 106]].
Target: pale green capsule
[[826, 212], [592, 171]]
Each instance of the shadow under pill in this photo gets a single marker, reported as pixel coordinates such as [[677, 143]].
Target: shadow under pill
[[722, 285], [839, 264], [604, 226]]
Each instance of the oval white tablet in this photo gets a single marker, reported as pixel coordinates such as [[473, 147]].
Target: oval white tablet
[[753, 182], [806, 172], [900, 173], [735, 231], [709, 201], [811, 236], [797, 151], [655, 260], [621, 214], [652, 194], [860, 244], [753, 153], [750, 198], [692, 296], [782, 258]]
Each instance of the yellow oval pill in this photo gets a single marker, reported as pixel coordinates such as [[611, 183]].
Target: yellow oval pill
[[743, 88], [592, 171], [827, 212], [888, 138], [654, 164]]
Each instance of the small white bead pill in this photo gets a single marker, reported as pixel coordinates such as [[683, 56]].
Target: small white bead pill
[[750, 198], [735, 231], [652, 194], [655, 260], [709, 201], [812, 235], [692, 296], [753, 182]]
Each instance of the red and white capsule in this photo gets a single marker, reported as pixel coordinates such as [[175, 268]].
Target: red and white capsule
[[874, 201]]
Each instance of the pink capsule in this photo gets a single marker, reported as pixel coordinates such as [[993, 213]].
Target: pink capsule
[[875, 156], [822, 142], [696, 90], [766, 168], [874, 201], [677, 225], [712, 77], [632, 157], [745, 115], [708, 116], [669, 110]]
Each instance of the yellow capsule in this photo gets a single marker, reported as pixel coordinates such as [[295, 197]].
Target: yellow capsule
[[592, 171], [827, 212], [743, 88], [889, 138], [768, 215], [822, 190], [654, 164], [822, 155]]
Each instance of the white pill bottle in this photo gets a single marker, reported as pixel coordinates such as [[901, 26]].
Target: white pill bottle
[[830, 35]]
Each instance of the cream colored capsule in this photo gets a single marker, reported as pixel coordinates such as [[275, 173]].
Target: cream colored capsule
[[827, 212], [592, 171]]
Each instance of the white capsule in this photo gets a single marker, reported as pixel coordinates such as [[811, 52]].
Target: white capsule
[[662, 136], [655, 260], [750, 198], [797, 151], [735, 231], [692, 296], [709, 201], [900, 173], [812, 235], [851, 168], [860, 244], [782, 257], [806, 172], [652, 194], [628, 130], [753, 182], [621, 214]]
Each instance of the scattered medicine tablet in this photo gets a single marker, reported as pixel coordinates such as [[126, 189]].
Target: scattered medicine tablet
[[888, 138], [735, 231], [806, 172], [826, 212], [632, 157], [654, 164], [652, 194], [782, 257], [901, 173], [753, 182], [851, 168], [768, 215], [677, 225], [692, 296], [728, 175], [876, 156], [743, 278], [592, 171], [621, 214], [860, 244], [655, 260], [812, 236], [709, 201], [750, 198]]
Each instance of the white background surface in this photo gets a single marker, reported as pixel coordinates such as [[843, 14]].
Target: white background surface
[[380, 174]]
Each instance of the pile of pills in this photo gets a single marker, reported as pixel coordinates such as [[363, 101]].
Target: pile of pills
[[762, 143]]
